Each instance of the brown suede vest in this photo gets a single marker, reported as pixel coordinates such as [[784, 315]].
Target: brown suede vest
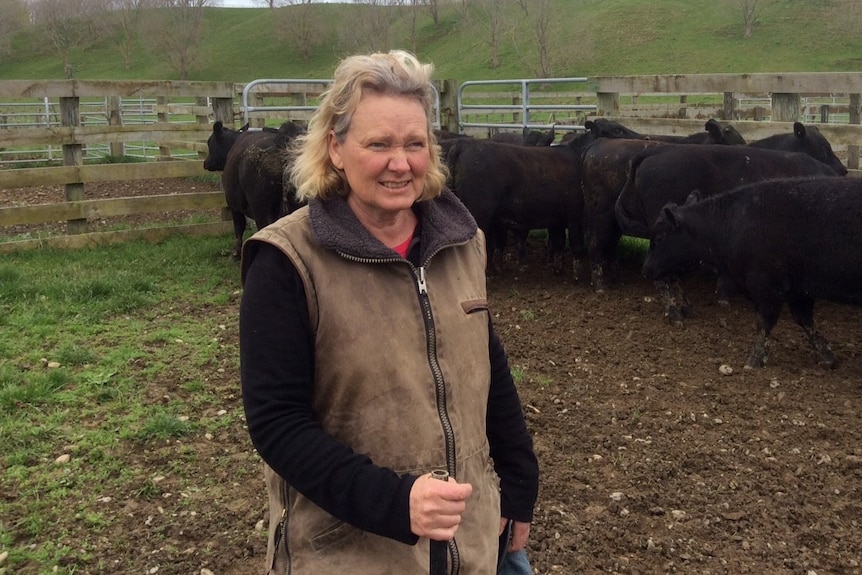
[[380, 360]]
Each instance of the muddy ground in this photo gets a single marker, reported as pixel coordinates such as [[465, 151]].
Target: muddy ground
[[652, 459]]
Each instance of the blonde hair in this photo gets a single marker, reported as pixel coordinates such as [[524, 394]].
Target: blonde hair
[[397, 73]]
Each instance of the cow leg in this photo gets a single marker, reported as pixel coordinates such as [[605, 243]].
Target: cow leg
[[803, 312], [239, 224], [597, 278], [494, 245], [577, 248], [557, 248], [602, 240], [767, 316], [521, 237], [673, 299], [723, 290]]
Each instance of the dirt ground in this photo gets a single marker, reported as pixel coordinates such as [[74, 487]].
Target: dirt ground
[[655, 458]]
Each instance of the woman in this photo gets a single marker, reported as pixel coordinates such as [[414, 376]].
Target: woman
[[367, 353]]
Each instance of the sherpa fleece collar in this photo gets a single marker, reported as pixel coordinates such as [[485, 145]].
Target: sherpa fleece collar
[[443, 221]]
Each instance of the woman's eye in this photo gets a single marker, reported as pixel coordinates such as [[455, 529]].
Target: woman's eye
[[415, 146]]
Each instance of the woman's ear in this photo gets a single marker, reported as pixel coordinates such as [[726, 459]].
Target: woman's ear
[[335, 151]]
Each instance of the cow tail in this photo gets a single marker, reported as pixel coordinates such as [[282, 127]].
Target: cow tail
[[627, 199]]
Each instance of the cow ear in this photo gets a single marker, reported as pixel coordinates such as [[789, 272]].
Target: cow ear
[[694, 197], [217, 127], [669, 214], [799, 129], [712, 127], [591, 126]]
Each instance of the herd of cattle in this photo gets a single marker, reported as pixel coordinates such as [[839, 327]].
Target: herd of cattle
[[776, 219]]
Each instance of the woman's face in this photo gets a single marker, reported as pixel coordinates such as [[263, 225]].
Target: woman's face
[[384, 155]]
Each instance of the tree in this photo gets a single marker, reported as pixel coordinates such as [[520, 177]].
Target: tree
[[541, 26], [367, 29], [67, 24], [301, 24], [124, 22], [748, 16], [14, 19], [434, 7], [412, 15], [491, 25], [178, 36]]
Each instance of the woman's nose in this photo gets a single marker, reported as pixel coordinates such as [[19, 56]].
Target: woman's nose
[[398, 160]]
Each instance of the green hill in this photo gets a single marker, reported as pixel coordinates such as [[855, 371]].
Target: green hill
[[586, 38]]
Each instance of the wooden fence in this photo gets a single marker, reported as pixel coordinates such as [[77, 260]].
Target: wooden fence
[[615, 96]]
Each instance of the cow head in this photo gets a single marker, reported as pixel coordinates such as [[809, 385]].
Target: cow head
[[671, 249], [218, 145], [723, 134], [812, 142]]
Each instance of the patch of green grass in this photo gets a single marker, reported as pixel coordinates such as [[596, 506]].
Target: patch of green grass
[[518, 374], [161, 426], [115, 319], [588, 38]]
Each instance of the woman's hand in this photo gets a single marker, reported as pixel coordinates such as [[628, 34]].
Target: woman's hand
[[436, 507], [520, 534]]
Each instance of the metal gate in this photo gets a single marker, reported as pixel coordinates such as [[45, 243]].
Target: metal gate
[[523, 104]]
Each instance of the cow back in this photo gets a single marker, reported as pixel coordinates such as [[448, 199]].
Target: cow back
[[659, 176]]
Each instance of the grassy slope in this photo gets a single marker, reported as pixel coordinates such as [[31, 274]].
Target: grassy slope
[[591, 37]]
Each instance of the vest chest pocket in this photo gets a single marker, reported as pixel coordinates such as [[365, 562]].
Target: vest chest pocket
[[474, 306]]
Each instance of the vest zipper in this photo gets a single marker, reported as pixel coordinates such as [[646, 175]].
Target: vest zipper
[[440, 392]]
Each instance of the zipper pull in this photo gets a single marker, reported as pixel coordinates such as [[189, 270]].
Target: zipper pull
[[420, 280]]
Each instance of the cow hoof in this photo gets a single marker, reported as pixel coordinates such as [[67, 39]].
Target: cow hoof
[[675, 317], [754, 363], [724, 302]]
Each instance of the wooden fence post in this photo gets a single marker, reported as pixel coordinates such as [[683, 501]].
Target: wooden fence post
[[608, 103], [729, 111], [785, 107], [853, 150], [202, 119], [223, 111], [448, 105], [73, 155], [115, 118], [257, 102], [163, 116]]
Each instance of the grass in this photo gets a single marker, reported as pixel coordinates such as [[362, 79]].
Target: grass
[[83, 335], [588, 38]]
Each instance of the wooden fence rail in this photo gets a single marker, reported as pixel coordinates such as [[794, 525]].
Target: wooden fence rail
[[206, 102]]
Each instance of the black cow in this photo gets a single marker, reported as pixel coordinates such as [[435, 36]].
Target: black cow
[[253, 175], [605, 170], [790, 241], [670, 173], [806, 139], [520, 188]]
